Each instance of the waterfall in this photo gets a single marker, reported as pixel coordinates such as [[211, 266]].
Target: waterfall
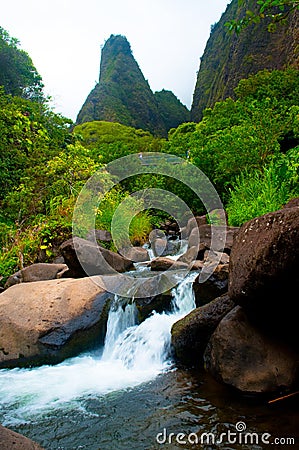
[[121, 316], [132, 354]]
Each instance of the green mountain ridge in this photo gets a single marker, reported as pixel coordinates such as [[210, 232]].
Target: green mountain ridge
[[228, 58], [123, 94]]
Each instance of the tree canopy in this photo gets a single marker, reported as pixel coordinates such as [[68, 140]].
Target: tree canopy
[[17, 72], [274, 11]]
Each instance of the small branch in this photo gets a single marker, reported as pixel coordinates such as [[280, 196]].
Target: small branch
[[284, 397]]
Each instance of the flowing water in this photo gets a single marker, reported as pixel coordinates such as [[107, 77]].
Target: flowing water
[[129, 395]]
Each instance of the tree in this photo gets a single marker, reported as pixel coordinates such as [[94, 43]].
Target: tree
[[17, 72], [274, 11]]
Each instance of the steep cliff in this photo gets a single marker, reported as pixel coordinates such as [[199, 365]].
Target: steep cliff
[[122, 94], [230, 57]]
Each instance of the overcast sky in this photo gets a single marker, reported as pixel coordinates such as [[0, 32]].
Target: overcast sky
[[64, 39]]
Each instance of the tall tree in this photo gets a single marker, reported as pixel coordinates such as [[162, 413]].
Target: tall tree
[[17, 72]]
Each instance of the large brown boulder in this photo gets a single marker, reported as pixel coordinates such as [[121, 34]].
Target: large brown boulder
[[10, 440], [135, 254], [264, 267], [292, 203], [162, 264], [37, 272], [195, 222], [47, 321], [190, 335], [242, 356], [222, 237], [154, 294], [95, 259], [214, 286]]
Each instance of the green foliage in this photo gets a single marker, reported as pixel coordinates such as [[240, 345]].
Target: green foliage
[[255, 193], [131, 221], [108, 141], [248, 148], [273, 11], [21, 246], [242, 135], [17, 72], [140, 228], [30, 134]]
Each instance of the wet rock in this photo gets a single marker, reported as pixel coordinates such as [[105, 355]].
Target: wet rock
[[264, 267], [246, 358], [163, 247], [47, 321], [195, 222], [170, 227], [222, 237], [197, 265], [193, 254], [214, 286], [190, 335], [151, 293], [11, 440], [162, 264], [96, 259], [135, 254], [211, 257]]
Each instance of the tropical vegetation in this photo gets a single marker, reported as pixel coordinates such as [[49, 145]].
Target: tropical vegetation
[[247, 146]]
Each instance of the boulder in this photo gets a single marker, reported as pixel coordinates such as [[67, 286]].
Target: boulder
[[222, 237], [195, 222], [10, 440], [43, 271], [170, 227], [190, 335], [135, 254], [162, 264], [150, 293], [99, 235], [15, 278], [263, 270], [165, 247], [211, 257], [95, 259], [214, 286], [193, 254], [240, 355], [154, 295], [292, 203], [37, 272], [197, 265], [47, 321]]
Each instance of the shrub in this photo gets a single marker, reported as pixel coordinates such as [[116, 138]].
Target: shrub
[[255, 193]]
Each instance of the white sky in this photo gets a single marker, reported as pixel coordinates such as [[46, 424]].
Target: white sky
[[64, 39]]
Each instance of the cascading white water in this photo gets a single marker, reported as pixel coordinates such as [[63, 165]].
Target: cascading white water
[[120, 318], [132, 354]]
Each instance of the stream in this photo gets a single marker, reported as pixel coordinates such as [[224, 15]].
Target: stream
[[130, 395]]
